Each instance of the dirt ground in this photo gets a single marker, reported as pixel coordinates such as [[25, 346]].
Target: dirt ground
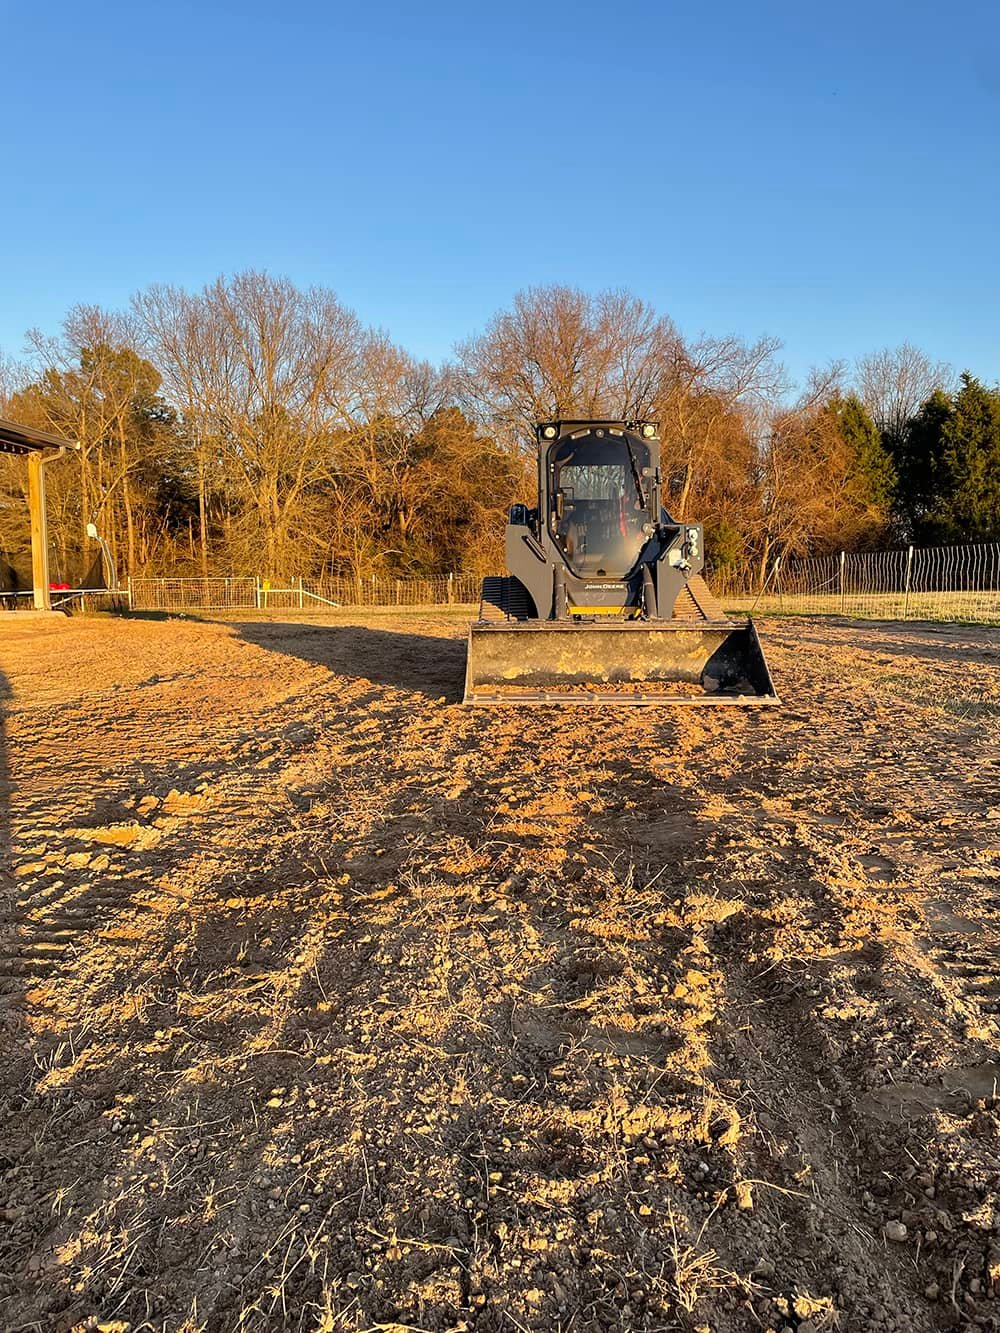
[[328, 1004]]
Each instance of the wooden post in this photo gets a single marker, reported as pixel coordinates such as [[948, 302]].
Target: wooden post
[[301, 596], [39, 532]]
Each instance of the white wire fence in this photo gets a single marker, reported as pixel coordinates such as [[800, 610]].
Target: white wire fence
[[912, 583], [958, 583], [259, 594], [250, 594]]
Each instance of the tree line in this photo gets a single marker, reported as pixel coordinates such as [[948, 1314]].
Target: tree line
[[256, 427]]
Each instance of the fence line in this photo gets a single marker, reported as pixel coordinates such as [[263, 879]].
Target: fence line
[[67, 599], [910, 583], [257, 594]]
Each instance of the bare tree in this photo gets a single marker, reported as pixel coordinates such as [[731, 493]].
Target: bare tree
[[13, 378], [267, 375], [175, 328], [717, 388], [93, 386], [808, 487], [560, 352], [299, 440], [894, 382]]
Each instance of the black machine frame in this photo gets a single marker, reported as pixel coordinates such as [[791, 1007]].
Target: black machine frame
[[639, 625]]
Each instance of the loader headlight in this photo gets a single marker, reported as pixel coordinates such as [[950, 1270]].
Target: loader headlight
[[648, 431], [549, 432]]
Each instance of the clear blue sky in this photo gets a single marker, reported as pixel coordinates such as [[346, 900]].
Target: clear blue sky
[[827, 173]]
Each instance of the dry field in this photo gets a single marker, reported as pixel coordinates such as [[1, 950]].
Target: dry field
[[326, 1004]]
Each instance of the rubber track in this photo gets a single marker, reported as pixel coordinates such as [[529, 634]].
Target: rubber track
[[504, 598]]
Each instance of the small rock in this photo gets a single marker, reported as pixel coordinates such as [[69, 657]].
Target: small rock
[[932, 1291], [744, 1196], [895, 1231]]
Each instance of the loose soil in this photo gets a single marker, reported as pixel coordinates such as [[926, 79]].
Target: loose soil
[[327, 1004]]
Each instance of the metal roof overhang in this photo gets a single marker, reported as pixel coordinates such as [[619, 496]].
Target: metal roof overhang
[[18, 439]]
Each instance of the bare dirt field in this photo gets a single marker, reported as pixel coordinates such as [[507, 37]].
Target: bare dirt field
[[327, 1004]]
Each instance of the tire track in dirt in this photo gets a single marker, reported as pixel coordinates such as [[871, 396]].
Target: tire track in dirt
[[542, 836], [142, 797], [506, 1001], [240, 806], [863, 963]]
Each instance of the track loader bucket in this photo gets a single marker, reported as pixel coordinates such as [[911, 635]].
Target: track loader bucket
[[640, 662]]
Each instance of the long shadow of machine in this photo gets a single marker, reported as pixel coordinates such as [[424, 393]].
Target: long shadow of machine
[[423, 663]]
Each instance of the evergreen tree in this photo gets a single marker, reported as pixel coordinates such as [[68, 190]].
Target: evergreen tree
[[919, 453], [970, 509], [873, 473], [869, 474]]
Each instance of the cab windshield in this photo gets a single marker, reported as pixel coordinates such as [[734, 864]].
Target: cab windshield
[[599, 502]]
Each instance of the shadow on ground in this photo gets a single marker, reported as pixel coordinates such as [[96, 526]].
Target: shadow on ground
[[426, 664], [6, 881], [917, 639]]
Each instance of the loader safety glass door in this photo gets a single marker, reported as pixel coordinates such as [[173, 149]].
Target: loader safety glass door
[[596, 510]]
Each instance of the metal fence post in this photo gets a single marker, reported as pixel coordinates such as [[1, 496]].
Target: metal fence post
[[906, 590], [301, 594], [256, 591], [128, 592], [451, 588], [843, 557]]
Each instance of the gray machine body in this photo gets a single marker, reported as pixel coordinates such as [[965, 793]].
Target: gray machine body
[[656, 555]]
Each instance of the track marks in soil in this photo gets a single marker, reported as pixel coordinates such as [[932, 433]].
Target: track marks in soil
[[407, 1014]]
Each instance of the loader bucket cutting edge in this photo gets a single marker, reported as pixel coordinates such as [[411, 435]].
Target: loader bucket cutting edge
[[677, 663]]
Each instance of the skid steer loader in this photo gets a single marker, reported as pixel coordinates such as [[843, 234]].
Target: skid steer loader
[[603, 600]]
